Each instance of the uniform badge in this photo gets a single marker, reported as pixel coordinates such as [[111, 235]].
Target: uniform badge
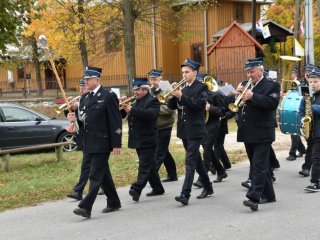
[[274, 95], [118, 131], [98, 94], [100, 101], [81, 112]]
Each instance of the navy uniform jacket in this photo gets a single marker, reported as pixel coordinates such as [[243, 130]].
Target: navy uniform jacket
[[216, 111], [191, 111], [102, 121], [256, 119], [142, 122]]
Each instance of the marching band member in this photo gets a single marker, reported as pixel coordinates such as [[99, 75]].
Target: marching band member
[[164, 124], [99, 111], [142, 118], [296, 143], [191, 102], [215, 109], [314, 82], [306, 166], [85, 164], [256, 128]]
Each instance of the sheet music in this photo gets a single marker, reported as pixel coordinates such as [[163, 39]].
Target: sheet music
[[226, 90], [165, 85]]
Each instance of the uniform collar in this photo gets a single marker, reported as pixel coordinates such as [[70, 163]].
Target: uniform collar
[[95, 90]]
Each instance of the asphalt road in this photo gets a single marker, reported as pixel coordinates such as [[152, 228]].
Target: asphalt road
[[295, 215]]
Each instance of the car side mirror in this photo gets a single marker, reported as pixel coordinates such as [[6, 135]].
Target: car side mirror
[[38, 119]]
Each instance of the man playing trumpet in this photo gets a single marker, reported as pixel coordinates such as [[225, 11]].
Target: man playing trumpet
[[256, 128], [191, 102]]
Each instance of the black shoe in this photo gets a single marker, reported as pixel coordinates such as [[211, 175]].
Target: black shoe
[[313, 187], [134, 194], [82, 212], [75, 195], [205, 193], [182, 200], [198, 184], [212, 170], [246, 184], [111, 209], [252, 205], [304, 172], [153, 193], [300, 154], [291, 158], [101, 192], [227, 167], [219, 178], [169, 179], [266, 200]]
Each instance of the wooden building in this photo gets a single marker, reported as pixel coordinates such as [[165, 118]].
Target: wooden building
[[231, 51], [156, 50]]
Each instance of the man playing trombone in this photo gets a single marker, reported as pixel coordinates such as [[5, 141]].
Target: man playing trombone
[[191, 102], [256, 128]]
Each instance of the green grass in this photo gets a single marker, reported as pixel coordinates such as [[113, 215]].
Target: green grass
[[37, 177]]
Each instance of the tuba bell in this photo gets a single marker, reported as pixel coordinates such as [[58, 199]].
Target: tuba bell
[[211, 83], [288, 63]]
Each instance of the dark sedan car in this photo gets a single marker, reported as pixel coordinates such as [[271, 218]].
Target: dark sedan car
[[20, 126]]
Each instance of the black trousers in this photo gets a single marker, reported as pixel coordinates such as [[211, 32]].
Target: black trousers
[[100, 175], [84, 174], [261, 184], [315, 156], [221, 152], [163, 154], [307, 160], [147, 171], [273, 161], [209, 155], [296, 145], [194, 162]]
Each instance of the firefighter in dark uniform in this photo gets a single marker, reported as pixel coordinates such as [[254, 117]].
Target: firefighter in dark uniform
[[85, 164], [215, 109], [164, 124], [142, 118], [99, 111], [191, 102], [256, 128]]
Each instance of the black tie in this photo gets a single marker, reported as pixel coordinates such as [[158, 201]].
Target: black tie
[[91, 95]]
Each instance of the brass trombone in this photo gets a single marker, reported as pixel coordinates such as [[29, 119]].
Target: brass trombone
[[62, 107], [234, 107], [127, 102], [163, 99]]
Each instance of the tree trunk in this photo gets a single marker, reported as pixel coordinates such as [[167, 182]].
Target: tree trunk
[[82, 41], [297, 20], [35, 59], [129, 40]]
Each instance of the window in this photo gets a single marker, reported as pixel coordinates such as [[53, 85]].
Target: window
[[20, 73], [238, 12], [197, 53], [13, 114]]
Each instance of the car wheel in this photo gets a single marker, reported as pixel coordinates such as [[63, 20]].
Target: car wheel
[[68, 137]]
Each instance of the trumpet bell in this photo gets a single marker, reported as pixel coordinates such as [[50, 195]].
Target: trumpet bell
[[233, 107]]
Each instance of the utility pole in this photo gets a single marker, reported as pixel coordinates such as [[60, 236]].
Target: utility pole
[[254, 19], [309, 43]]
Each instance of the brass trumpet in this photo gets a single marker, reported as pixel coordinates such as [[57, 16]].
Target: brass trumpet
[[127, 102], [62, 107], [163, 99], [234, 107]]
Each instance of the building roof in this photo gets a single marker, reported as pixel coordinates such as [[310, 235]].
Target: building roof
[[277, 31], [225, 33]]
